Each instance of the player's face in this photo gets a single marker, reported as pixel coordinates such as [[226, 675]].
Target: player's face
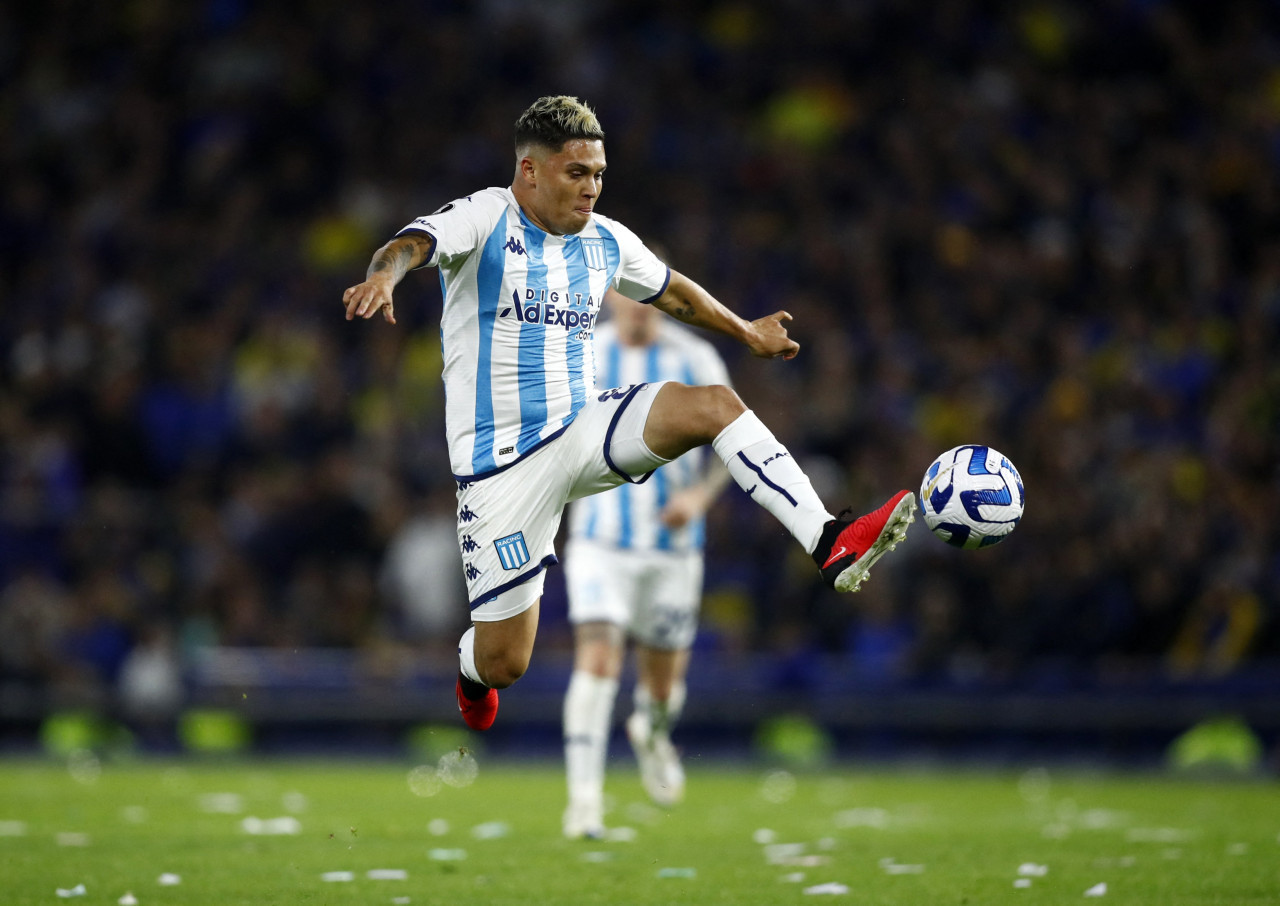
[[566, 185]]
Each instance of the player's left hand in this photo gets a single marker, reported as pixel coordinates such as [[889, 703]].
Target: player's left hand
[[769, 338]]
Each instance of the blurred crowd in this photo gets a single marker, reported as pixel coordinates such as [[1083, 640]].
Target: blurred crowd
[[1052, 227]]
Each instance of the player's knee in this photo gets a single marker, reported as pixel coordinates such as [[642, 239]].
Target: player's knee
[[722, 405], [502, 670]]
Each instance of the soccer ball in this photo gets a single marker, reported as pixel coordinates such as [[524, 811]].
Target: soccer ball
[[972, 497]]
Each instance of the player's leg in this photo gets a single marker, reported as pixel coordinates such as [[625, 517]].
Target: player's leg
[[588, 717], [682, 417], [659, 701], [494, 653]]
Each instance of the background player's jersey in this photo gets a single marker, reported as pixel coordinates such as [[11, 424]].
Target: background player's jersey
[[627, 516], [520, 306]]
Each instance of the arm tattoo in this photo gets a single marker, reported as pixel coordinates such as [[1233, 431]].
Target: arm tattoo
[[396, 256], [683, 311]]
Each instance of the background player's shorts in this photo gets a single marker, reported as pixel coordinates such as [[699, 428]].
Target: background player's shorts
[[654, 595], [507, 522]]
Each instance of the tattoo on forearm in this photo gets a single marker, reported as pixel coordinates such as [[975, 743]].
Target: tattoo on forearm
[[684, 312], [396, 257]]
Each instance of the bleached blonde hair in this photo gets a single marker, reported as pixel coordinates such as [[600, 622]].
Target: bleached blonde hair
[[553, 120]]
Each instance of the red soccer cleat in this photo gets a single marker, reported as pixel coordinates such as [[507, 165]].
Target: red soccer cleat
[[849, 547], [477, 712]]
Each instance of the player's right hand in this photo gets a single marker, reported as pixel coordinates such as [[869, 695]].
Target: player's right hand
[[365, 299]]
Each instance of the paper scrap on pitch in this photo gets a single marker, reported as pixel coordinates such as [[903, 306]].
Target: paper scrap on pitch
[[1022, 883], [891, 866], [1032, 870], [128, 899], [169, 879], [446, 855], [286, 825], [71, 838], [491, 830], [1097, 890], [387, 874], [831, 887], [13, 828], [67, 892], [222, 803], [338, 877]]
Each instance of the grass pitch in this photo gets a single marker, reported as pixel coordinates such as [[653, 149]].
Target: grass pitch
[[285, 832]]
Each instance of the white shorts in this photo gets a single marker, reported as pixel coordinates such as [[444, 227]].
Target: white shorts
[[653, 595], [507, 521]]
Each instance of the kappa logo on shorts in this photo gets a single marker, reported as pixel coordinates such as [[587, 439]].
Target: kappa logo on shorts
[[512, 551]]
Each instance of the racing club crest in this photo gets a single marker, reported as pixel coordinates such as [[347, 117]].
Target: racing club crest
[[593, 253], [512, 551]]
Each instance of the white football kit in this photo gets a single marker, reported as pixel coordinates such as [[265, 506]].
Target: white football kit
[[520, 307], [623, 565]]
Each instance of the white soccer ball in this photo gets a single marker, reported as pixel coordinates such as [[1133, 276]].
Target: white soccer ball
[[972, 497]]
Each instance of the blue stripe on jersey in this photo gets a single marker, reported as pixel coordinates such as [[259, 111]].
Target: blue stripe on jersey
[[579, 286], [532, 356], [488, 287]]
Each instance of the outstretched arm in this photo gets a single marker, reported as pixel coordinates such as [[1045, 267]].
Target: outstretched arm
[[388, 267], [766, 337]]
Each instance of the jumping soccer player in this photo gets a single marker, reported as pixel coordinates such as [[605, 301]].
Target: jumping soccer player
[[524, 270]]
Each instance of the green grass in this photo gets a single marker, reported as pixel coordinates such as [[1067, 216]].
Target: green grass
[[1152, 840]]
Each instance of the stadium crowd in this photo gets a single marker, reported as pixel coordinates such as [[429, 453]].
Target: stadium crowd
[[1053, 228]]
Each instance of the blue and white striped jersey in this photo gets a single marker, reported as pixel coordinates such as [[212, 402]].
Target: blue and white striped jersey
[[520, 305], [627, 516]]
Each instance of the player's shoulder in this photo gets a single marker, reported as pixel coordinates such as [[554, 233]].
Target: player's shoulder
[[485, 204]]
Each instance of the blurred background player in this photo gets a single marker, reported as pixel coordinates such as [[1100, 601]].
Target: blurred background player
[[634, 565]]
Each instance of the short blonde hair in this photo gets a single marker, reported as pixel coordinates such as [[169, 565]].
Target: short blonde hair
[[551, 121]]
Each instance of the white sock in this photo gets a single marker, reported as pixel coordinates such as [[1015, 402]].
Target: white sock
[[588, 712], [467, 656], [661, 716], [766, 470]]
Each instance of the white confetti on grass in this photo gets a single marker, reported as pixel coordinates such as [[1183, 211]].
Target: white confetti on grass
[[13, 828], [491, 830], [1032, 870], [795, 877], [128, 899], [620, 834], [68, 892], [387, 874], [338, 877], [437, 827], [1160, 835], [401, 901], [832, 888], [446, 855], [71, 838], [284, 826], [1022, 883], [134, 814], [597, 856], [294, 803], [1237, 849], [682, 873], [169, 879], [764, 836], [1097, 890], [891, 866]]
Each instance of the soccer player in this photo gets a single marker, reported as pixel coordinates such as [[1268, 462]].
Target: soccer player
[[634, 567], [523, 271]]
